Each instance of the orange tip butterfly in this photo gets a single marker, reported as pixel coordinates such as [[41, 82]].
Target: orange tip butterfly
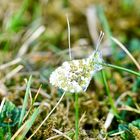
[[74, 76]]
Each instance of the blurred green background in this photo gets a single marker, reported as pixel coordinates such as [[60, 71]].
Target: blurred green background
[[33, 33]]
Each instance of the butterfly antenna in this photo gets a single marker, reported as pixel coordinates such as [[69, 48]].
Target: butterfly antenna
[[99, 40], [68, 24]]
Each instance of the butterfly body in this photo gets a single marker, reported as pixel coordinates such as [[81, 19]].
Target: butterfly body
[[75, 75]]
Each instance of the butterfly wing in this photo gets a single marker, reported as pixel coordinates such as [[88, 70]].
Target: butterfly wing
[[73, 76]]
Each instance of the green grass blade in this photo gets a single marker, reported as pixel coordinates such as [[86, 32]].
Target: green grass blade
[[9, 133], [112, 103], [76, 116], [25, 102], [106, 27], [1, 134], [121, 68], [28, 125], [47, 116], [104, 21], [16, 20]]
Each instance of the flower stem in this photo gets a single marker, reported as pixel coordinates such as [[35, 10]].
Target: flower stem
[[76, 116]]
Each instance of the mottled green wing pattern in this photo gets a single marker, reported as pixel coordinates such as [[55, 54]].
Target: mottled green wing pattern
[[74, 76]]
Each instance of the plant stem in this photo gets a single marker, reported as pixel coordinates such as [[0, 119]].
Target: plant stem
[[76, 116], [108, 94], [121, 68]]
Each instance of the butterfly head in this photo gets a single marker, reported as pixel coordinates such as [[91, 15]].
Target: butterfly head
[[97, 59]]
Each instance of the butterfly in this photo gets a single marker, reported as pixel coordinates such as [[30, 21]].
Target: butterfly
[[74, 76]]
